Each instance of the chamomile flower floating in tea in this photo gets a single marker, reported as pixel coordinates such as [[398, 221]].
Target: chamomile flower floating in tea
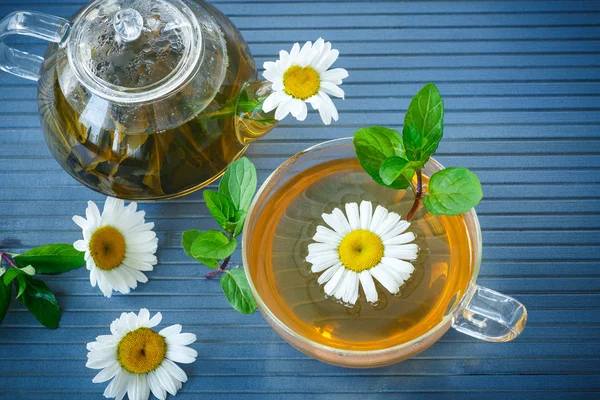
[[362, 245], [140, 360], [119, 245], [303, 76]]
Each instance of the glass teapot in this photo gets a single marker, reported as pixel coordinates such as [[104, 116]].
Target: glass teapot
[[142, 99]]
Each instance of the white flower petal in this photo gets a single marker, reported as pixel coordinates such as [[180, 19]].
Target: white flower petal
[[379, 216], [181, 354], [342, 286], [322, 231], [387, 224], [328, 274], [182, 339], [170, 330], [366, 213], [384, 277], [334, 281], [284, 108], [403, 268], [337, 221], [81, 245], [402, 251], [157, 389], [175, 370], [335, 75], [351, 293], [273, 101], [353, 214], [155, 320], [315, 248], [400, 239], [368, 286], [331, 89]]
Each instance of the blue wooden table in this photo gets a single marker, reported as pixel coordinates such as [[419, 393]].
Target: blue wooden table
[[521, 81]]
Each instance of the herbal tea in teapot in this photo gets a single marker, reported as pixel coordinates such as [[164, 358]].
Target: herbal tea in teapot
[[144, 150]]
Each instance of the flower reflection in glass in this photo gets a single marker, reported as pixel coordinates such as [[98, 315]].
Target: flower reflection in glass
[[362, 245]]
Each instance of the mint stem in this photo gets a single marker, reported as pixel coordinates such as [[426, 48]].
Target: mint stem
[[418, 196], [8, 259], [222, 267], [219, 270]]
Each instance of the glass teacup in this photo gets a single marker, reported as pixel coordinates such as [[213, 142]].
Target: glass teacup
[[476, 311]]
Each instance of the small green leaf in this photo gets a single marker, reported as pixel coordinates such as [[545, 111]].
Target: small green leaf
[[187, 239], [20, 284], [237, 223], [213, 244], [398, 168], [221, 208], [11, 274], [453, 191], [236, 289], [373, 146], [240, 218], [423, 124], [5, 293], [52, 259], [40, 301], [239, 183]]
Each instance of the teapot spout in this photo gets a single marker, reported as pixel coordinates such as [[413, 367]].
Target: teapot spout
[[251, 121]]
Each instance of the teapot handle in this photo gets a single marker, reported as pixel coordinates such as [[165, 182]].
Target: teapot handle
[[38, 25], [491, 316]]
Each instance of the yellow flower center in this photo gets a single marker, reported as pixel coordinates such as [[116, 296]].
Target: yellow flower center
[[301, 83], [141, 351], [360, 250], [107, 247]]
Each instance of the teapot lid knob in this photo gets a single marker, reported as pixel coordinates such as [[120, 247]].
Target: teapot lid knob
[[128, 24]]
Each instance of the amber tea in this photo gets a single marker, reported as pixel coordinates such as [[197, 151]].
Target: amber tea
[[278, 246]]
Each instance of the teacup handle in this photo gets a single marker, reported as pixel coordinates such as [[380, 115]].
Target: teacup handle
[[491, 316], [38, 25]]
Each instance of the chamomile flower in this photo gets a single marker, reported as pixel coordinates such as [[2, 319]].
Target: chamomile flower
[[303, 76], [119, 245], [362, 245], [140, 360]]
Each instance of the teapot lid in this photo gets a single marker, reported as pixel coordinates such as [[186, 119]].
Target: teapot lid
[[133, 51]]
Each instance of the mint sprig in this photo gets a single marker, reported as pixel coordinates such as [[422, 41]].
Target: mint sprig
[[229, 207], [393, 159], [32, 292]]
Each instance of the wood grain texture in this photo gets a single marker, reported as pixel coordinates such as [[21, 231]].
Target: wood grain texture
[[521, 83]]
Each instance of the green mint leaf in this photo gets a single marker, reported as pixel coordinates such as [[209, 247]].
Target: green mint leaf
[[373, 146], [453, 191], [11, 274], [423, 124], [240, 218], [52, 259], [21, 285], [239, 183], [5, 293], [213, 244], [221, 208], [236, 289], [187, 239], [237, 224], [398, 168], [40, 301]]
